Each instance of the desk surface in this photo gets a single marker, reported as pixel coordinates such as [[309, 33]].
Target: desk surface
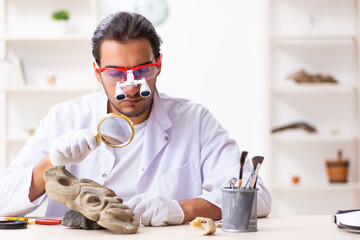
[[293, 228]]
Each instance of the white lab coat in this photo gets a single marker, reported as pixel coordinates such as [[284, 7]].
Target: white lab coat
[[185, 151]]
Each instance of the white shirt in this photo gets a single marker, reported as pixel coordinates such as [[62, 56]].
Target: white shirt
[[185, 151], [127, 167]]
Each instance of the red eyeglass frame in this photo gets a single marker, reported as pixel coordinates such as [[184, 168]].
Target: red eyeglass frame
[[156, 64]]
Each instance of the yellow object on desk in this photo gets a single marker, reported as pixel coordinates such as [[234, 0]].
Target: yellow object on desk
[[25, 219]]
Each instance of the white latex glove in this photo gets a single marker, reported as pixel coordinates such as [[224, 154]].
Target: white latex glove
[[154, 210], [72, 147]]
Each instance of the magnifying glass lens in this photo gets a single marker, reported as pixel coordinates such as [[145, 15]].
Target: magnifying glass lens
[[116, 130]]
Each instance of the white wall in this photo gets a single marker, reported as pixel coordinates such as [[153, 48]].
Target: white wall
[[212, 54]]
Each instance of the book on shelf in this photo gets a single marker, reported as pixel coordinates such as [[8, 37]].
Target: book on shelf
[[19, 71], [12, 72]]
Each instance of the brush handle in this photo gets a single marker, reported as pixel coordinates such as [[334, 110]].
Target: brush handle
[[240, 176], [248, 180], [253, 181], [240, 182], [242, 161]]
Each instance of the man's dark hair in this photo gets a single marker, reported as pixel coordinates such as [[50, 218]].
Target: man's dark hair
[[124, 27]]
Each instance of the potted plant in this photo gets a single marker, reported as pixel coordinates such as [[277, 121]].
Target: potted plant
[[60, 18], [60, 15], [337, 169]]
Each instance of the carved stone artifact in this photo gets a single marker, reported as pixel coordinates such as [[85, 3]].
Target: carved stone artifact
[[304, 77], [93, 200]]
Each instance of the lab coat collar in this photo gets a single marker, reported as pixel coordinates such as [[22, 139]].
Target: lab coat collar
[[104, 103], [159, 113], [155, 138], [107, 152]]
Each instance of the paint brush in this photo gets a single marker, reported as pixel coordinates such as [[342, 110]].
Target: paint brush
[[242, 161], [257, 161]]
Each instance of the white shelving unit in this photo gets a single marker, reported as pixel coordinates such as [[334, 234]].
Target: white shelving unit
[[44, 50], [28, 33], [318, 37]]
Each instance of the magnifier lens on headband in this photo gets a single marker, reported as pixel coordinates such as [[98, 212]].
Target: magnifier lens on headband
[[144, 89], [119, 92]]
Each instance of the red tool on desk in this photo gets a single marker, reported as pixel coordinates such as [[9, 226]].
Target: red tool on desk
[[45, 221]]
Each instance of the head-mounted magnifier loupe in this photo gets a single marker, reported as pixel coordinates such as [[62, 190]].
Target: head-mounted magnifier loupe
[[131, 82], [130, 77]]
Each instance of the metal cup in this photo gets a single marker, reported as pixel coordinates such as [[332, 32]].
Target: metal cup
[[239, 209]]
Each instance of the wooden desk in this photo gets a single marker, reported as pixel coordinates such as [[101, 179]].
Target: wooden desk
[[289, 228]]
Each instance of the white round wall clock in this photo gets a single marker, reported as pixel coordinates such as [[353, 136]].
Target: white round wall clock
[[155, 11]]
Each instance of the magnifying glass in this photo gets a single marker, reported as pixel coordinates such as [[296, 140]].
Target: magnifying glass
[[115, 130]]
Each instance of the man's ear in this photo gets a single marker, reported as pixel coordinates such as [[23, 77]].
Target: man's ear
[[96, 72]]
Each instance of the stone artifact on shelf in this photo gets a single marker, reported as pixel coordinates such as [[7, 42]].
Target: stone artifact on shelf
[[91, 199], [304, 77], [298, 125]]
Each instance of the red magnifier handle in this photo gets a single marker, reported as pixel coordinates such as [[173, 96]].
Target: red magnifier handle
[[48, 221]]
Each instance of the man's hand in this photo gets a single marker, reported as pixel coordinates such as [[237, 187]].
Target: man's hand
[[154, 210], [72, 147]]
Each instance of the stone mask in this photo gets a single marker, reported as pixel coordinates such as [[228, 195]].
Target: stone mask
[[91, 199]]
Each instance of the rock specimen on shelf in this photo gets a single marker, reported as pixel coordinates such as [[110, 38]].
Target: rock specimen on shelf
[[93, 200], [297, 125], [304, 77]]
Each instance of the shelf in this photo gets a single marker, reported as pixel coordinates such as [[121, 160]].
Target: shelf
[[313, 37], [47, 89], [16, 140], [312, 138], [73, 37], [314, 88], [320, 38], [316, 187]]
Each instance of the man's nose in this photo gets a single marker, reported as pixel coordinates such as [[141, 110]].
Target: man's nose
[[132, 90]]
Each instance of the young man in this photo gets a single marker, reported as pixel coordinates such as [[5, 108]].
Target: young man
[[179, 149]]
